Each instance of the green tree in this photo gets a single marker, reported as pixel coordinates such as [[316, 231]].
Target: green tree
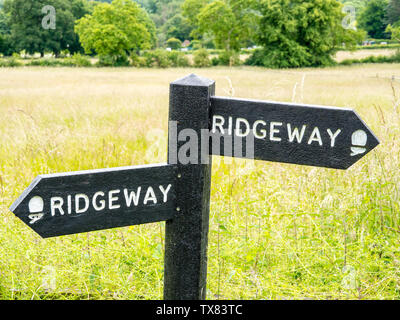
[[174, 43], [161, 10], [393, 12], [299, 33], [29, 28], [394, 31], [201, 58], [191, 8], [177, 27], [6, 46], [372, 19], [231, 23], [4, 23], [149, 5], [116, 30]]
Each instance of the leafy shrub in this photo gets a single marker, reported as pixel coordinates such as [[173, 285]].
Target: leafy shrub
[[201, 58], [11, 62], [160, 58], [35, 62], [63, 54], [178, 59], [157, 59], [113, 61], [105, 61], [286, 56], [174, 43], [196, 45], [229, 58], [214, 61], [257, 58], [138, 61], [347, 62], [45, 62], [77, 60]]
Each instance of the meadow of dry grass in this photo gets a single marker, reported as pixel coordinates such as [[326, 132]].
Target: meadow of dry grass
[[276, 230], [361, 54]]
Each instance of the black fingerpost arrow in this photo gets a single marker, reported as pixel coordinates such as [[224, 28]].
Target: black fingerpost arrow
[[75, 202], [310, 135]]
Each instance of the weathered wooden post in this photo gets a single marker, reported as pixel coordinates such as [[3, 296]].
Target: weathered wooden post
[[186, 237]]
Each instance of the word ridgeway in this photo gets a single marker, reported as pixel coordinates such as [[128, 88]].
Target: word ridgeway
[[274, 131], [111, 200]]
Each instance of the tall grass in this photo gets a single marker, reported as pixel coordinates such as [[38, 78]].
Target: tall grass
[[277, 231]]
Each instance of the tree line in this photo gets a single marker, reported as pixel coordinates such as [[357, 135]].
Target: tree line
[[288, 33], [377, 17]]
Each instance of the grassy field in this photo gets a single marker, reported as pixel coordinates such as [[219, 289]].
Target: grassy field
[[339, 57], [277, 231], [361, 54]]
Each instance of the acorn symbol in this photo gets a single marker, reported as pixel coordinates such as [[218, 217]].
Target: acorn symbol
[[36, 205], [359, 141]]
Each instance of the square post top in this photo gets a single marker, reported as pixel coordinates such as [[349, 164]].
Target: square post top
[[193, 80]]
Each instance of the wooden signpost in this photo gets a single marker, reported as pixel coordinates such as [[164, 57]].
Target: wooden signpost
[[200, 125]]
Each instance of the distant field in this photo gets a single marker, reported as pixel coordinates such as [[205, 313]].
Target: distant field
[[340, 55], [277, 231], [361, 54]]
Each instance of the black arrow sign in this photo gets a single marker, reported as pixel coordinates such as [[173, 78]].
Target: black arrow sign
[[75, 202], [282, 132]]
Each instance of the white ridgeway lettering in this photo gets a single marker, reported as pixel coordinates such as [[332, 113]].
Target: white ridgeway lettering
[[132, 197], [315, 136], [56, 203], [85, 198], [112, 199], [102, 202], [218, 121], [275, 131], [109, 200], [333, 136], [263, 134], [272, 131], [295, 133], [69, 201], [150, 196], [165, 192], [239, 132]]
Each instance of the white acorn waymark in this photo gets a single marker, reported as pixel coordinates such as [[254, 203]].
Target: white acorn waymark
[[36, 206], [359, 141]]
